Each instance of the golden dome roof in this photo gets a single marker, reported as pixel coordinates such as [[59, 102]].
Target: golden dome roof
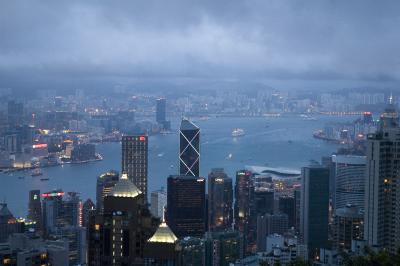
[[124, 188], [163, 235]]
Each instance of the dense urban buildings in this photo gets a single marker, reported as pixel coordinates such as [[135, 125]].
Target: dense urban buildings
[[105, 182], [382, 209], [220, 200], [119, 235], [35, 208], [158, 201], [186, 205], [189, 148], [135, 160], [314, 208]]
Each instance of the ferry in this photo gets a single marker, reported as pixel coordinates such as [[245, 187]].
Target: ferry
[[238, 132], [44, 179]]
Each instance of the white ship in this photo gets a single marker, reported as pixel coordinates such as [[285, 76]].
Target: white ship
[[238, 132]]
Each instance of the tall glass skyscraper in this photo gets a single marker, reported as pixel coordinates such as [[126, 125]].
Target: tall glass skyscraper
[[161, 107], [314, 208], [189, 148], [134, 160], [186, 205]]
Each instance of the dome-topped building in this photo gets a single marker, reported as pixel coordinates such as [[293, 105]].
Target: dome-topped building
[[124, 188]]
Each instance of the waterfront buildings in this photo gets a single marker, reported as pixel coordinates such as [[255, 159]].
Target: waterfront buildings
[[349, 176], [105, 182], [161, 107], [189, 148], [220, 200], [186, 205], [118, 236], [158, 201], [134, 160], [382, 208], [314, 208]]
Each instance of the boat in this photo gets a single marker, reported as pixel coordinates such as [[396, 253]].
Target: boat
[[36, 172], [160, 154], [229, 156], [238, 132], [44, 179], [21, 177]]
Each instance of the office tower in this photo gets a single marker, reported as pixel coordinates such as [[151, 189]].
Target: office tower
[[88, 208], [105, 182], [134, 160], [35, 209], [245, 222], [15, 113], [158, 201], [263, 201], [186, 205], [287, 205], [61, 212], [118, 236], [223, 248], [269, 224], [348, 226], [349, 172], [382, 208], [189, 148], [220, 200], [161, 108], [162, 248], [314, 208]]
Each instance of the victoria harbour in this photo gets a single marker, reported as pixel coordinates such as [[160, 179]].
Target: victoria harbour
[[284, 142]]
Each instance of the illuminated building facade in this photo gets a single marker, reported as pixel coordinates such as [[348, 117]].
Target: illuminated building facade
[[134, 160], [186, 205], [118, 236], [105, 182], [220, 200], [189, 149]]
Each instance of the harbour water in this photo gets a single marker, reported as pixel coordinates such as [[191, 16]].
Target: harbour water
[[276, 142]]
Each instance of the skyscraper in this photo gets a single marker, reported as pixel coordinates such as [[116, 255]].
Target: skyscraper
[[158, 202], [349, 171], [270, 224], [220, 200], [186, 205], [189, 148], [134, 160], [314, 208], [245, 222], [35, 208], [348, 226], [118, 236], [382, 197], [161, 107], [105, 182]]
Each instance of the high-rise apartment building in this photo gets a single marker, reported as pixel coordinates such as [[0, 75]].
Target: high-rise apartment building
[[220, 200], [186, 205], [189, 149], [382, 193], [314, 208], [134, 160]]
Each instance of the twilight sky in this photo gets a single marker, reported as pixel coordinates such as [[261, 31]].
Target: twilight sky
[[56, 42]]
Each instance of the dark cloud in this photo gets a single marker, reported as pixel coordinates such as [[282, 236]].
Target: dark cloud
[[274, 39]]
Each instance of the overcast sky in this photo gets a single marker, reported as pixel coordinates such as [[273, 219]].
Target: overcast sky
[[46, 41]]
